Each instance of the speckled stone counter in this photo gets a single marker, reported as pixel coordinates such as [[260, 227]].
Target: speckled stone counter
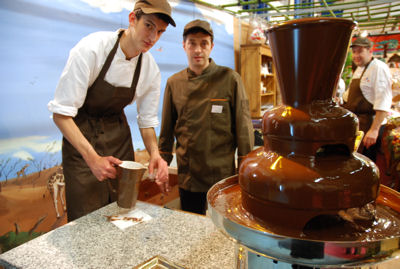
[[189, 240]]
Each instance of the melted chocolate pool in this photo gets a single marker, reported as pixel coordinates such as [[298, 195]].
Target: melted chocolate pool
[[324, 228]]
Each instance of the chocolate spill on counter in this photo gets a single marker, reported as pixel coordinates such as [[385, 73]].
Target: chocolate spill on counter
[[114, 218]]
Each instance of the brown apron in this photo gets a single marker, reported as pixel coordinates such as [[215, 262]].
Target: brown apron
[[360, 106], [102, 121]]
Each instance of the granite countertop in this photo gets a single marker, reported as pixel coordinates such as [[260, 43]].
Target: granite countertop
[[189, 240]]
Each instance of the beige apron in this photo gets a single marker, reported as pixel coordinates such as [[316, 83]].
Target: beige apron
[[102, 121], [360, 106]]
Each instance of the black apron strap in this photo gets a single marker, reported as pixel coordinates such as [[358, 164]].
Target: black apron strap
[[362, 74], [109, 59]]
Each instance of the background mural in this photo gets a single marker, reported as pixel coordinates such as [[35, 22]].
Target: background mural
[[386, 45], [36, 38]]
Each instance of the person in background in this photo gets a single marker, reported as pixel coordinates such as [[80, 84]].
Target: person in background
[[369, 95], [105, 72], [206, 109]]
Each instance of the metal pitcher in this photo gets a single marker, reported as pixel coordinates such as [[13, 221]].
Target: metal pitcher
[[129, 175]]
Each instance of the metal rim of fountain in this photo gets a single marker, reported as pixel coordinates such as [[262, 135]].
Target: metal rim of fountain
[[280, 248]]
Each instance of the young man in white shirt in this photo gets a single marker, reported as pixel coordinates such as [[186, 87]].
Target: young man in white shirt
[[105, 72]]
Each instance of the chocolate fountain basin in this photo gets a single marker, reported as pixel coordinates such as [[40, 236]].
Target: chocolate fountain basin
[[306, 198], [293, 246]]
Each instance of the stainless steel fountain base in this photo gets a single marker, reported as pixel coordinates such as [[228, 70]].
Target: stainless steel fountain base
[[234, 221]]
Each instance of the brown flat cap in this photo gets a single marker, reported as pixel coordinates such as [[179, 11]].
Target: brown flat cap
[[198, 24], [362, 42], [155, 6]]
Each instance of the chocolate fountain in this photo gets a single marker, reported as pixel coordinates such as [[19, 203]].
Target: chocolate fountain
[[306, 197]]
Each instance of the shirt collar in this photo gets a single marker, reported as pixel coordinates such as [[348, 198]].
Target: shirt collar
[[208, 69], [120, 56]]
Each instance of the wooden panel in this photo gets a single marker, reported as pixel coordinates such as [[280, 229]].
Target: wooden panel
[[250, 72], [265, 51], [253, 56], [149, 191]]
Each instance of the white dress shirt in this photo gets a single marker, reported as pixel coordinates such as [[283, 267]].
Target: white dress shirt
[[84, 65], [375, 84]]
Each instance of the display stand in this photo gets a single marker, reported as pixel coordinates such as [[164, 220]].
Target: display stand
[[258, 74]]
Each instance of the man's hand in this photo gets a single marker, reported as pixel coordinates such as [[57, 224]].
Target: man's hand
[[373, 132], [103, 167], [161, 178], [156, 161], [370, 138]]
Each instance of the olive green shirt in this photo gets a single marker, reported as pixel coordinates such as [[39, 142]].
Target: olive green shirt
[[209, 117]]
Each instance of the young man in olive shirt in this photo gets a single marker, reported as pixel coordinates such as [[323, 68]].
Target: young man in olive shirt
[[207, 111]]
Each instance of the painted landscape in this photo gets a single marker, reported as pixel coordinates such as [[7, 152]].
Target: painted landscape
[[27, 209]]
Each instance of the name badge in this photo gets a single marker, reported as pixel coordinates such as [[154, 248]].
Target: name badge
[[216, 109]]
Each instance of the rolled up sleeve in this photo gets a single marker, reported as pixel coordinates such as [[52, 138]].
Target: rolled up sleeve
[[58, 108]]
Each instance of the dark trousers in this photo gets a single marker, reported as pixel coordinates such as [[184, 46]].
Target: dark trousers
[[195, 202]]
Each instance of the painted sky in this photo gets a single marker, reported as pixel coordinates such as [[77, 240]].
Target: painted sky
[[37, 36]]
